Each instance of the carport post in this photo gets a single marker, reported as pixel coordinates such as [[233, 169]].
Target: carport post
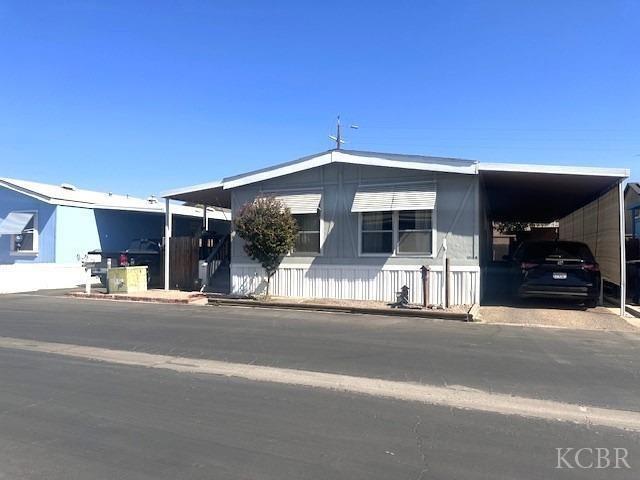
[[205, 225], [623, 256], [167, 236]]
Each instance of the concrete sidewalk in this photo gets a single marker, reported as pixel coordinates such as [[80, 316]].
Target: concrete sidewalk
[[151, 296]]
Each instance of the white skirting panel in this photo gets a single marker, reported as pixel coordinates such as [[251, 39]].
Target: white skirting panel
[[357, 282], [464, 285], [28, 277]]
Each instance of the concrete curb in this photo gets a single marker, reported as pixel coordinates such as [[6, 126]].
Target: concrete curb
[[633, 311], [474, 313], [399, 312], [632, 317], [196, 299]]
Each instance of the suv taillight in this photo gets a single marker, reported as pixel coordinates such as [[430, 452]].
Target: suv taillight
[[591, 267], [124, 260]]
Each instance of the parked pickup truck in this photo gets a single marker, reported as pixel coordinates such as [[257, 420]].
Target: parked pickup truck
[[141, 252]]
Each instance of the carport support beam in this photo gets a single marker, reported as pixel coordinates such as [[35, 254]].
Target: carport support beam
[[623, 256], [205, 223], [167, 236]]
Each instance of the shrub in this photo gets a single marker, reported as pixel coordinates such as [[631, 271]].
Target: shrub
[[269, 231]]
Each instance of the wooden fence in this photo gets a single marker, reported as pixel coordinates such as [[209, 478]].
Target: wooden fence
[[184, 253]]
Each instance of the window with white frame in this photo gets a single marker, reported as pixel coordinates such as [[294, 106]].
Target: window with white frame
[[376, 233], [405, 232], [414, 232], [308, 239], [26, 242]]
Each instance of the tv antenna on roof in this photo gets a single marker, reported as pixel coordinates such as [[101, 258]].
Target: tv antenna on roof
[[337, 137]]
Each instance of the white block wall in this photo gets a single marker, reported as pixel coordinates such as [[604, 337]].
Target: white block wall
[[29, 277], [355, 282]]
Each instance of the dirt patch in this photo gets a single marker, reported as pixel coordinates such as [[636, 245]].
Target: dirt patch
[[590, 319], [361, 304]]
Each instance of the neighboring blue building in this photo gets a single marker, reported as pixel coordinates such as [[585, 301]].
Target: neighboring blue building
[[45, 230]]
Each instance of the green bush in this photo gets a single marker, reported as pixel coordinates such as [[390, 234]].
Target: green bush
[[269, 231]]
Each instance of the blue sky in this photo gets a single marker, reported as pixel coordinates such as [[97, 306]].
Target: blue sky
[[139, 97]]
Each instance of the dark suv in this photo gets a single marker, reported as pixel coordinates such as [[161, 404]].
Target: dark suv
[[556, 270]]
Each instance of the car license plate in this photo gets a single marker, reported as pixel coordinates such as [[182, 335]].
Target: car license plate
[[559, 276], [93, 258]]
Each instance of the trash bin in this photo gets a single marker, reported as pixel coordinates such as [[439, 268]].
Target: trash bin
[[127, 279]]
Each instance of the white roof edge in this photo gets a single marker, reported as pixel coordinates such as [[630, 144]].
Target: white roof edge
[[158, 208], [184, 210], [408, 161], [24, 191], [278, 170], [191, 188], [554, 169], [468, 167], [412, 162]]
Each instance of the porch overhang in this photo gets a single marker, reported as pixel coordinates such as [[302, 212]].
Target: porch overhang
[[212, 194]]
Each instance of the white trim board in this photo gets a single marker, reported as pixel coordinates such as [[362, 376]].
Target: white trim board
[[412, 267]]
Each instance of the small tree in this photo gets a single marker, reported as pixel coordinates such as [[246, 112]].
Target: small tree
[[269, 231]]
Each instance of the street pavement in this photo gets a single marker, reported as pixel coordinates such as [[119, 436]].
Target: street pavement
[[596, 368], [68, 418]]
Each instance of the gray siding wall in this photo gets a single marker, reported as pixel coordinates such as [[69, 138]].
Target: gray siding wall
[[456, 214]]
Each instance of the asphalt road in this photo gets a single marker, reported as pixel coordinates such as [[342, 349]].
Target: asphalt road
[[69, 418], [585, 367]]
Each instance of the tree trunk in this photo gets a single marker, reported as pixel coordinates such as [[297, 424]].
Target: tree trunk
[[269, 275]]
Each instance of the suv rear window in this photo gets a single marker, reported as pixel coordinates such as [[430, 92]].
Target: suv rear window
[[542, 250]]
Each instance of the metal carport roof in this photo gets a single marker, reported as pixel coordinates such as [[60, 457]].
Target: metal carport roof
[[542, 193]]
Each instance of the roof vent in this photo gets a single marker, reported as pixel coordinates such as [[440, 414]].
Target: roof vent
[[152, 199], [68, 186]]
